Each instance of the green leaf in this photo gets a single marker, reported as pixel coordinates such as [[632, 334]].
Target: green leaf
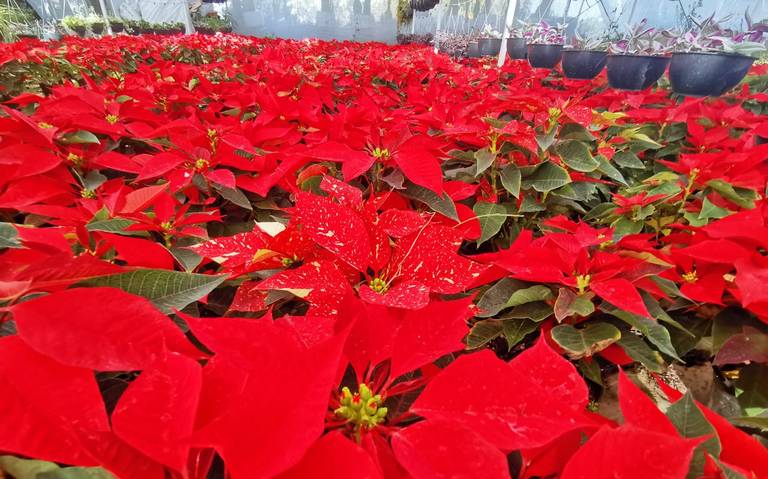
[[586, 341], [757, 422], [93, 180], [727, 323], [510, 179], [536, 311], [657, 334], [711, 211], [741, 196], [484, 159], [495, 298], [188, 258], [691, 423], [168, 290], [8, 235], [624, 226], [77, 473], [728, 473], [627, 159], [491, 217], [634, 134], [530, 205], [234, 196], [574, 131], [591, 370], [658, 313], [483, 332], [668, 286], [568, 303], [25, 468], [577, 156], [529, 295], [600, 211], [753, 381], [545, 141], [515, 330], [113, 225], [638, 350], [668, 189], [610, 171], [547, 177], [80, 137], [443, 205]]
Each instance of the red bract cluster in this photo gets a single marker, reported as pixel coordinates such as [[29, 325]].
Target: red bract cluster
[[244, 258]]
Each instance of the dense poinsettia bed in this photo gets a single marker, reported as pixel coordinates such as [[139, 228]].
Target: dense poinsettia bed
[[232, 257]]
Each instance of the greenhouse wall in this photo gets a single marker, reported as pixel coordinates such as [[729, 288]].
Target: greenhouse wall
[[365, 20], [360, 20]]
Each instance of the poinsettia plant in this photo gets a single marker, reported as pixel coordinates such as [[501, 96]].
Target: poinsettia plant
[[229, 257]]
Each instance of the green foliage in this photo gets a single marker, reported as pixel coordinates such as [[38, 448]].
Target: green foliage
[[13, 19]]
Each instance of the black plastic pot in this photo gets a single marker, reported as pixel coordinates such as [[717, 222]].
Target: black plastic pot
[[517, 48], [97, 28], [473, 50], [423, 5], [707, 74], [489, 46], [79, 30], [117, 27], [544, 56], [583, 64], [635, 72]]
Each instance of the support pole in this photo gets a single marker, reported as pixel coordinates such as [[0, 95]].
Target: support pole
[[510, 17], [105, 16], [439, 24]]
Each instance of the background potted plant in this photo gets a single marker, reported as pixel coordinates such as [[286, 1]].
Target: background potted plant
[[201, 26], [166, 28], [131, 26], [116, 24], [74, 24], [545, 44], [638, 61], [95, 24], [146, 27], [213, 23], [489, 43], [710, 60], [584, 58], [14, 20], [457, 45], [517, 48], [473, 50]]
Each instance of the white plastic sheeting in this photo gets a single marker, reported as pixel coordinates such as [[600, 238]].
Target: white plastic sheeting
[[361, 20], [595, 17]]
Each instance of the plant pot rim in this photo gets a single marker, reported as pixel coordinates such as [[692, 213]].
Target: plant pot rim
[[546, 45], [582, 50], [628, 55], [715, 54]]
